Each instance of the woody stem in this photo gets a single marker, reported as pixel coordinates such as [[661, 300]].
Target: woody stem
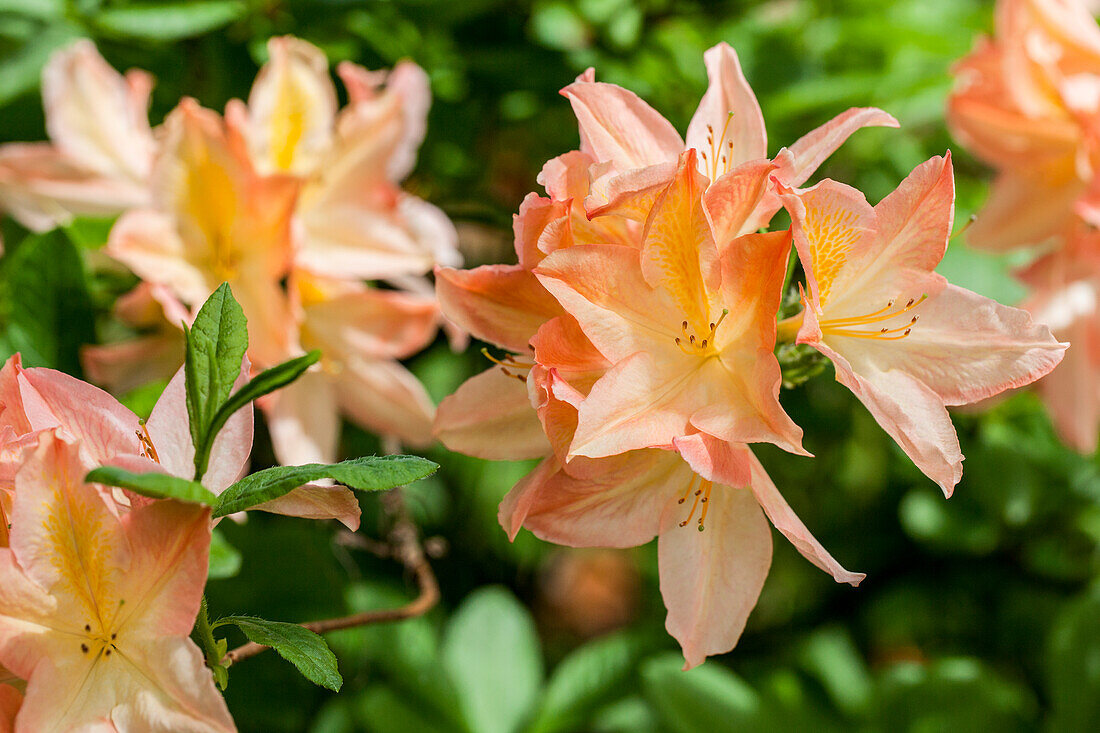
[[406, 548]]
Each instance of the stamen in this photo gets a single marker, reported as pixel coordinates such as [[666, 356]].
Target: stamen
[[688, 492], [695, 504], [706, 498]]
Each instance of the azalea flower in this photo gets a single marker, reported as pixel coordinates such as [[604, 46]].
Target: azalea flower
[[905, 341], [352, 219], [101, 154], [96, 607], [361, 332], [1066, 295], [1025, 103], [714, 543], [214, 219], [637, 151], [110, 434]]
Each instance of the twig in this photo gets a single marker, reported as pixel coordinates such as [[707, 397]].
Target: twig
[[406, 548]]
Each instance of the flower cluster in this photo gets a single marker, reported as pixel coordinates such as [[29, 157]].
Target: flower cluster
[[294, 202], [641, 325], [1027, 103]]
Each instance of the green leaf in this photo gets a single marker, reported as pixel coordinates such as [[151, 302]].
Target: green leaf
[[382, 710], [1073, 674], [491, 652], [89, 232], [41, 9], [583, 681], [170, 21], [709, 697], [225, 559], [296, 644], [47, 305], [371, 473], [267, 381], [216, 345], [20, 71], [153, 485]]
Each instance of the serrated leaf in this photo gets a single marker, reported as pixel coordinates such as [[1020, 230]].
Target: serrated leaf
[[491, 652], [371, 473], [153, 485], [47, 305], [170, 21], [216, 345], [296, 644], [266, 382]]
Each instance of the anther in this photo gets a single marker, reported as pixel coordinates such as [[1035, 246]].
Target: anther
[[107, 652], [703, 343], [88, 627], [692, 338], [84, 648]]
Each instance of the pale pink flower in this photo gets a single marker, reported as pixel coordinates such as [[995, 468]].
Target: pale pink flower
[[96, 608], [905, 341], [101, 154]]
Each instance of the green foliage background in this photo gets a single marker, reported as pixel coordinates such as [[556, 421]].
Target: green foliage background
[[979, 613]]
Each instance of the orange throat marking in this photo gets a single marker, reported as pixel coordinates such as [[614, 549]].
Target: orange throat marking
[[702, 497], [850, 327]]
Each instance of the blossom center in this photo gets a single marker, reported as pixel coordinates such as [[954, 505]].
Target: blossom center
[[852, 327], [691, 344], [98, 644], [510, 365], [702, 498]]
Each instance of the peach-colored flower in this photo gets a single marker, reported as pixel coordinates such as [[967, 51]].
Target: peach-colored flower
[[102, 151], [96, 607], [636, 150], [1066, 296], [352, 219], [214, 219], [361, 333], [688, 327], [109, 433], [710, 579], [905, 341], [1026, 103]]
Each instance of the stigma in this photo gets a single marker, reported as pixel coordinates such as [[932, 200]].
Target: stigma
[[692, 345], [853, 327]]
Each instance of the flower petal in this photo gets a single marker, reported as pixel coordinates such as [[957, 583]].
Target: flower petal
[[619, 506], [787, 522], [618, 127], [317, 501], [384, 397], [501, 304], [490, 416], [292, 108], [728, 124], [710, 580], [304, 420]]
